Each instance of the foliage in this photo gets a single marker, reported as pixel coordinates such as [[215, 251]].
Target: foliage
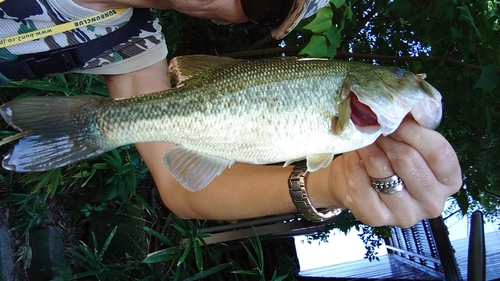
[[256, 256], [457, 44], [373, 237], [343, 222], [92, 259]]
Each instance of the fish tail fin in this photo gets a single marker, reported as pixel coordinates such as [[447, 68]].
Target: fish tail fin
[[58, 131]]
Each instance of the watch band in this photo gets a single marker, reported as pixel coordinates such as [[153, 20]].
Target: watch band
[[300, 198]]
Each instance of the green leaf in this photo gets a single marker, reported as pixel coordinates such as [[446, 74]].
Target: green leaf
[[250, 254], [163, 255], [333, 35], [86, 256], [208, 272], [144, 203], [275, 277], [162, 238], [331, 51], [456, 33], [100, 166], [322, 22], [186, 251], [198, 256], [88, 273], [316, 47], [337, 3], [246, 272], [106, 243], [56, 179], [489, 78], [180, 229], [462, 200], [466, 15]]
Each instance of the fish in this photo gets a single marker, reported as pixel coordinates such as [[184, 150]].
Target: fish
[[226, 110]]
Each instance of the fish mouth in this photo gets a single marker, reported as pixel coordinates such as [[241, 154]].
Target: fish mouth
[[381, 102], [361, 114], [422, 103], [373, 115], [351, 109]]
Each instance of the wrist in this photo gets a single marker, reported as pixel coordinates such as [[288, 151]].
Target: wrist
[[303, 203], [320, 187]]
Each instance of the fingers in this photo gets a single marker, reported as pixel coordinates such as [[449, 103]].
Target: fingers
[[425, 193], [434, 149], [376, 162], [353, 188], [422, 158], [427, 164], [366, 203]]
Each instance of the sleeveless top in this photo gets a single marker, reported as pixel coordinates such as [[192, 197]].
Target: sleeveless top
[[141, 50]]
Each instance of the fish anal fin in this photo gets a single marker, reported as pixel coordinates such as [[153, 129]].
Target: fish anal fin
[[184, 67], [318, 161], [193, 170]]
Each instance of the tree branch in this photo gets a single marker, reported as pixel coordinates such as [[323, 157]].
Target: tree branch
[[294, 50], [447, 60]]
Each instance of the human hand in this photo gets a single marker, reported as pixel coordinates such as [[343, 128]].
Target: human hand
[[422, 158]]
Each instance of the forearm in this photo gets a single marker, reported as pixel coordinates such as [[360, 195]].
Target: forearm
[[243, 191]]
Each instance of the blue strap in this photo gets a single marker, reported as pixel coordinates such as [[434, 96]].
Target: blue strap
[[63, 60]]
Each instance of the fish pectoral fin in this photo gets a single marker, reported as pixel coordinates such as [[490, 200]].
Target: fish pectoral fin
[[342, 121], [193, 170], [318, 161], [184, 67]]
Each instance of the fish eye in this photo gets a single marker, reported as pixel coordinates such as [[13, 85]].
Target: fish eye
[[398, 71]]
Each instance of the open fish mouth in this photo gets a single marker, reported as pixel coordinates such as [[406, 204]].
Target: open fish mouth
[[376, 105], [361, 114]]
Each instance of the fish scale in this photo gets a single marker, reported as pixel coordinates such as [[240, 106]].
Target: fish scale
[[258, 112]]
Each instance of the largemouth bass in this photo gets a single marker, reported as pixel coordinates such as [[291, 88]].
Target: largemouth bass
[[226, 110]]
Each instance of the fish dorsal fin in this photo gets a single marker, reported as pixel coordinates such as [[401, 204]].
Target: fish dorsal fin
[[193, 170], [318, 161], [184, 67]]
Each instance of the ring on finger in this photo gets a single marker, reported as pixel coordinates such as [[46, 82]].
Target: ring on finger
[[390, 185]]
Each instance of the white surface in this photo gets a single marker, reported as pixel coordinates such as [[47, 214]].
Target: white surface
[[340, 248]]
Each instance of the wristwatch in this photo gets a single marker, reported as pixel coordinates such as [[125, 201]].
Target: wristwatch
[[300, 198]]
